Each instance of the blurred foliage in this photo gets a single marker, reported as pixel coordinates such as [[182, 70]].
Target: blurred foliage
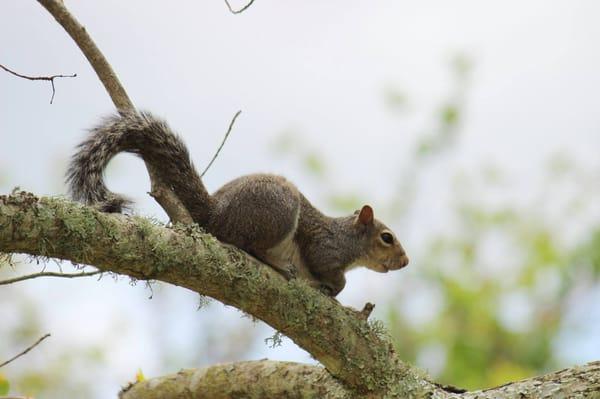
[[505, 278], [448, 117], [4, 385], [500, 280], [310, 160]]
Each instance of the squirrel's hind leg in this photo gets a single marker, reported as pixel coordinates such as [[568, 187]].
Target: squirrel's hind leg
[[259, 214]]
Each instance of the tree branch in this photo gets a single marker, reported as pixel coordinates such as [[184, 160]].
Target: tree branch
[[241, 10], [222, 143], [264, 378], [48, 274], [93, 54], [357, 353], [25, 351], [160, 191], [575, 382], [253, 379], [47, 78]]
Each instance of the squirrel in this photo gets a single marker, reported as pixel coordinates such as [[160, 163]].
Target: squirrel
[[262, 214]]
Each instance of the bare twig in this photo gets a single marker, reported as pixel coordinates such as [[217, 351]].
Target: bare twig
[[25, 351], [222, 143], [241, 10], [47, 78], [49, 274]]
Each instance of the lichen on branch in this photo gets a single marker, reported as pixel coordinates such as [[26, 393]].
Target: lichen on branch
[[336, 336]]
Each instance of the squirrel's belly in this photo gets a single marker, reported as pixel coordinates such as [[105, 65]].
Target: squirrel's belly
[[286, 254]]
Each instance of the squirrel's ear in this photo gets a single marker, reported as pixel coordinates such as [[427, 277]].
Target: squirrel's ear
[[366, 215]]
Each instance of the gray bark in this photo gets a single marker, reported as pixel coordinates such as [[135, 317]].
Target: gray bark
[[268, 379], [257, 379]]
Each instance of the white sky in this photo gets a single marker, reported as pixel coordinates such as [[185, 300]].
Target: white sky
[[319, 68]]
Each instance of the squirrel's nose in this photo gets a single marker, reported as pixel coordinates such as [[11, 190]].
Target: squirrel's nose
[[404, 260]]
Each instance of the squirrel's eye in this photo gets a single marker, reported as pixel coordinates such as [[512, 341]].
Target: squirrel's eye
[[387, 238]]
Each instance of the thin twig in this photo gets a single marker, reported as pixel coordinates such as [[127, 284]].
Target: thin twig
[[49, 274], [25, 351], [48, 78], [241, 10], [222, 143]]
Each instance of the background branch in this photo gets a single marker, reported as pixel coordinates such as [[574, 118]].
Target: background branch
[[222, 143], [49, 274], [241, 10], [25, 351], [47, 78]]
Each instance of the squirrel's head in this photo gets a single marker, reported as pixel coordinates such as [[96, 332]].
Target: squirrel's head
[[383, 250]]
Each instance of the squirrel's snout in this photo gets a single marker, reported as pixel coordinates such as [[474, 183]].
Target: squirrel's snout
[[398, 263], [404, 260], [401, 262]]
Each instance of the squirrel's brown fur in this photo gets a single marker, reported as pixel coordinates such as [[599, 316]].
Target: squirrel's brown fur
[[263, 214]]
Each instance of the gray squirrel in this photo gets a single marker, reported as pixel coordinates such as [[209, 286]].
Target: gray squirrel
[[262, 214]]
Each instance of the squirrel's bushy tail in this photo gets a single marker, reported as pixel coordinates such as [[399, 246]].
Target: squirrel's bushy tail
[[153, 140]]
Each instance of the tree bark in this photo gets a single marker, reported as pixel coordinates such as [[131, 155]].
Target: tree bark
[[254, 379], [576, 382], [268, 379], [359, 354], [356, 352]]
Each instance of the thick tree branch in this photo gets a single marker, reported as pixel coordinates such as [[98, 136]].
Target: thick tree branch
[[357, 353], [269, 379], [160, 191], [580, 382], [260, 379], [254, 379]]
